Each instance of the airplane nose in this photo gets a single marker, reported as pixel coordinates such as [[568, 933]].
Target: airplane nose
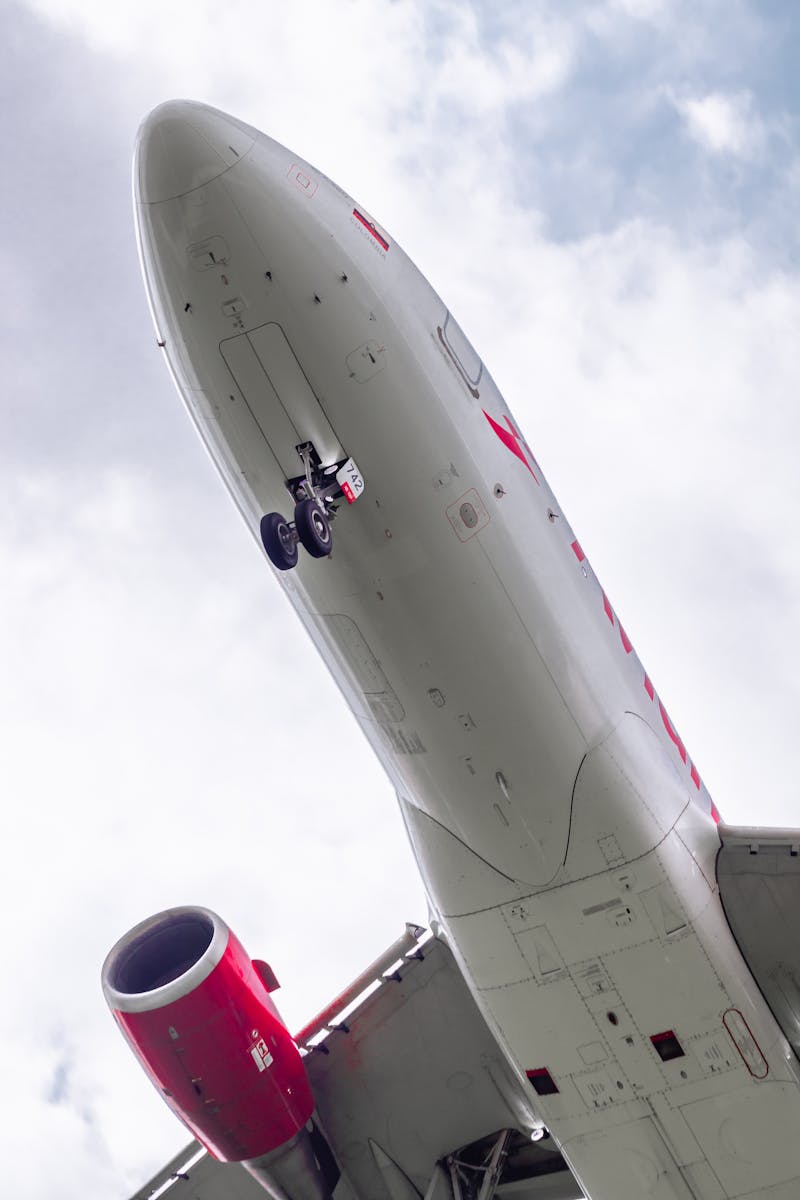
[[183, 145]]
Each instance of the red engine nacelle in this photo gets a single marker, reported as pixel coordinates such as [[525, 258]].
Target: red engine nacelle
[[198, 1015]]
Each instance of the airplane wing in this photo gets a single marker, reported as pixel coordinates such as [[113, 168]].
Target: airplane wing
[[758, 871], [413, 1099]]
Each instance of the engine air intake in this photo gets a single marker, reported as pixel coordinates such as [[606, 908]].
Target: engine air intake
[[162, 953]]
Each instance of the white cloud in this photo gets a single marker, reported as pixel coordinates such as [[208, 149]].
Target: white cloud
[[478, 80], [723, 123], [643, 10]]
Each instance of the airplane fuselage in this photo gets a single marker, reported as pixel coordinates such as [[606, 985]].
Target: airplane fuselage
[[564, 835]]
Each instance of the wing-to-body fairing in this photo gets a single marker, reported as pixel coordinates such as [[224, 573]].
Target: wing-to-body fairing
[[567, 843]]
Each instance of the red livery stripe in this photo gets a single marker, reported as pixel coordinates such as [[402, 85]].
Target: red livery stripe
[[368, 225]]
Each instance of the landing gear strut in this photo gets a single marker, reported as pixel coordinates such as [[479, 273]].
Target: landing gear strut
[[315, 493]]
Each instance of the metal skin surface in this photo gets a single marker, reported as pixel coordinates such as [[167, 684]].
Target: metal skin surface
[[563, 833], [217, 1050]]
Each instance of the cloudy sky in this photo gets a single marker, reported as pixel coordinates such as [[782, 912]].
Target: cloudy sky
[[606, 193]]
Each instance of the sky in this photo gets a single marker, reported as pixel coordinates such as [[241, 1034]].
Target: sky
[[605, 192]]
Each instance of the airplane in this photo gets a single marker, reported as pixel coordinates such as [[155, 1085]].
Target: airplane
[[607, 1002]]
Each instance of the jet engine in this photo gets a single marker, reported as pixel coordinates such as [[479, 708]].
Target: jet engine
[[198, 1014]]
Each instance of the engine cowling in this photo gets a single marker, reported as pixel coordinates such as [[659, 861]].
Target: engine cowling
[[198, 1015]]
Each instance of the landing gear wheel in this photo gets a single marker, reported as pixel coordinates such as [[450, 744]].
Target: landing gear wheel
[[279, 541], [313, 528]]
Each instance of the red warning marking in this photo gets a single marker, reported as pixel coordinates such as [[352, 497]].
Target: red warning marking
[[543, 1082], [626, 641], [306, 185], [371, 228], [576, 546], [511, 439], [667, 1045], [715, 814], [648, 687], [743, 1039]]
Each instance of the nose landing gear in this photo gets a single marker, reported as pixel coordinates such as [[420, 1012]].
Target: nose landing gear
[[315, 492]]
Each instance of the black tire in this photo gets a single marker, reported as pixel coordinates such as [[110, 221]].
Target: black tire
[[313, 528], [278, 541]]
